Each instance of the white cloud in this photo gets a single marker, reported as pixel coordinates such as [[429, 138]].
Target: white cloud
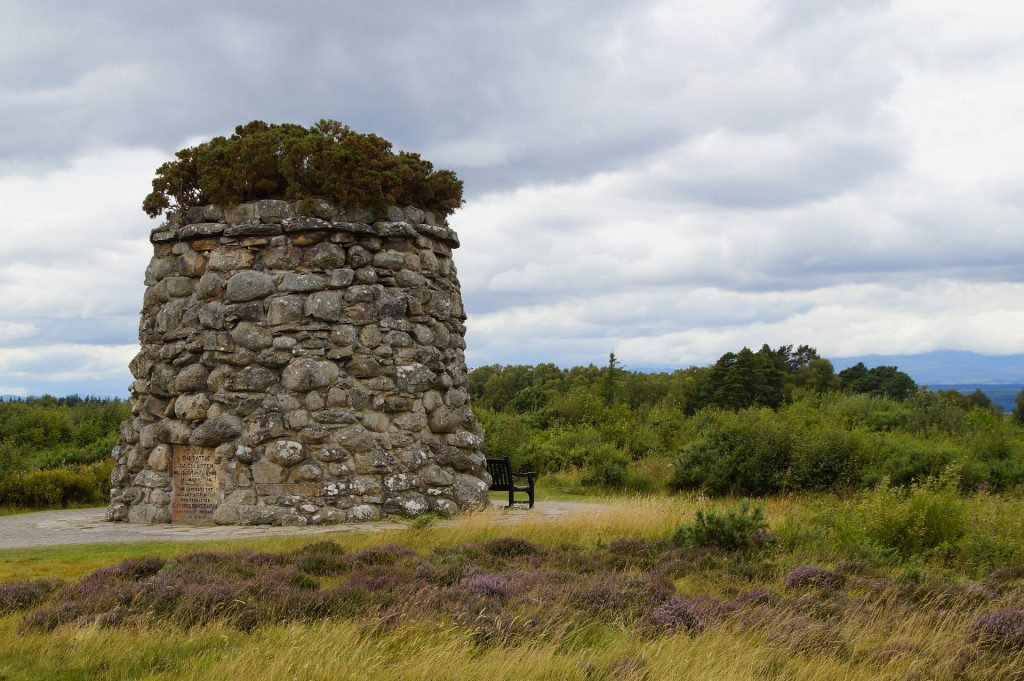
[[67, 360], [76, 241]]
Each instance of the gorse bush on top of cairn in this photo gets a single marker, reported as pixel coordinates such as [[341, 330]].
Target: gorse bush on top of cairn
[[287, 161]]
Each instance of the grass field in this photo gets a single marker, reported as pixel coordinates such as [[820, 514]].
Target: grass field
[[876, 613]]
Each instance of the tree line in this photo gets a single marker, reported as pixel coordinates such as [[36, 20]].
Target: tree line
[[738, 380], [754, 422]]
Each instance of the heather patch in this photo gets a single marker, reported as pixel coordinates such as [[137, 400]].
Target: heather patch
[[692, 613], [389, 554], [322, 558], [23, 594], [810, 576], [1000, 629], [509, 591], [510, 547]]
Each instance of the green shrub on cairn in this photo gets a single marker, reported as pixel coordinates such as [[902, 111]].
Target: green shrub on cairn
[[291, 162]]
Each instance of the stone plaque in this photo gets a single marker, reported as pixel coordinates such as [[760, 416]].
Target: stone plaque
[[196, 490]]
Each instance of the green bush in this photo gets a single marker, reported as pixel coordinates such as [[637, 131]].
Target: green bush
[[877, 414], [90, 453], [904, 459], [287, 161], [732, 530], [507, 434], [606, 466], [560, 448], [44, 431], [743, 452], [909, 521], [62, 487], [825, 457], [995, 457], [648, 475], [930, 412], [10, 457]]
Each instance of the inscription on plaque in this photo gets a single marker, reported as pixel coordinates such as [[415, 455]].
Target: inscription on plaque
[[196, 490]]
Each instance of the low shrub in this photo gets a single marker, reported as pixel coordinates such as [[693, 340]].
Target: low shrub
[[690, 613], [903, 459], [1000, 629], [510, 547], [744, 452], [388, 554], [825, 457], [19, 595], [322, 558], [65, 486], [736, 529], [813, 576], [606, 466], [909, 521]]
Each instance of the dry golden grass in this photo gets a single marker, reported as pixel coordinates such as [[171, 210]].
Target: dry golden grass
[[916, 648]]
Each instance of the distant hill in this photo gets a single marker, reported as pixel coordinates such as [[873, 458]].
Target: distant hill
[[948, 367]]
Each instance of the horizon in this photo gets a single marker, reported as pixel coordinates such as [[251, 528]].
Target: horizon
[[1010, 381]]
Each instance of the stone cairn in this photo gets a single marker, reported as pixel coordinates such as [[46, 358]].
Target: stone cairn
[[300, 364]]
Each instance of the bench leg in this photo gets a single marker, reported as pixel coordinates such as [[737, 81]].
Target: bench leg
[[511, 498]]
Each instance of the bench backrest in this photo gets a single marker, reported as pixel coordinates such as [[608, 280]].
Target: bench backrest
[[501, 472]]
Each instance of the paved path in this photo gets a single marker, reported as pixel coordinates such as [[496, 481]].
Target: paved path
[[87, 526]]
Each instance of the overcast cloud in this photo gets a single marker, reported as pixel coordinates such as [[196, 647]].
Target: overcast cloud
[[665, 180]]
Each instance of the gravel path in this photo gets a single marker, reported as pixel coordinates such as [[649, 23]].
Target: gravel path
[[87, 526]]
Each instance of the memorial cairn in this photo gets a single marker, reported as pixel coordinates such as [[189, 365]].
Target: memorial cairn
[[301, 361]]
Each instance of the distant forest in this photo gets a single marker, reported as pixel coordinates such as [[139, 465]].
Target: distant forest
[[754, 422], [766, 378]]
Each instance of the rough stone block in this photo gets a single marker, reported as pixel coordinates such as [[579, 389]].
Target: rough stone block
[[216, 430], [267, 472], [325, 305], [248, 285], [285, 310], [306, 374], [301, 283], [285, 452]]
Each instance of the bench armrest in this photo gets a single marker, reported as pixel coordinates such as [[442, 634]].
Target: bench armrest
[[525, 474]]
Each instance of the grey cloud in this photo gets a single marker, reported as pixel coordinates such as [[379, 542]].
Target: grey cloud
[[821, 173], [142, 74], [796, 14], [566, 90]]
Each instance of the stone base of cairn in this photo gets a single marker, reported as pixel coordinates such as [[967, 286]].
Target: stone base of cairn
[[300, 364]]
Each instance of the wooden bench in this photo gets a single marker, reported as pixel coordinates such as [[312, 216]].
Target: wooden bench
[[503, 479]]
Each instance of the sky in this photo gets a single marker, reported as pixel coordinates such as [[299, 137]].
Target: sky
[[663, 180]]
